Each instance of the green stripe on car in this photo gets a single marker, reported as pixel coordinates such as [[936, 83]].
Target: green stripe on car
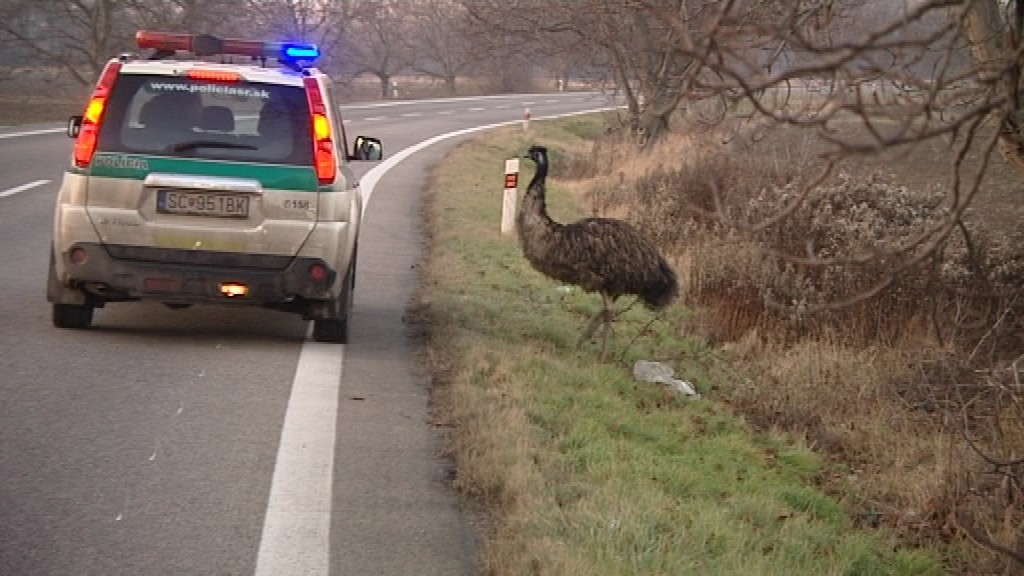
[[270, 176]]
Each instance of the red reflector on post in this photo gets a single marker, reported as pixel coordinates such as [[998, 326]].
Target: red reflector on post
[[508, 196]]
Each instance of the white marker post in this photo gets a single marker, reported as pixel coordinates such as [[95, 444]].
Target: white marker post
[[508, 200], [526, 119]]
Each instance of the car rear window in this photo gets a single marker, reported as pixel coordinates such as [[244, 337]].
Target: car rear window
[[189, 118]]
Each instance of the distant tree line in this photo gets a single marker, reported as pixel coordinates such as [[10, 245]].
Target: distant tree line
[[660, 55], [379, 38]]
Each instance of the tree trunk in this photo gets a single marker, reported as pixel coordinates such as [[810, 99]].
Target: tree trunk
[[994, 54], [651, 125]]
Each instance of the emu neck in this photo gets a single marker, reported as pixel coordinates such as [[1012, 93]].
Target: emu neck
[[535, 201]]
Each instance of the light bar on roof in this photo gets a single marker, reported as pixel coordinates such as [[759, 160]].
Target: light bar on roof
[[206, 45], [162, 41], [301, 51]]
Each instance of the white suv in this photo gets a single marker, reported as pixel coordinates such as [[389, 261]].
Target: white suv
[[210, 181]]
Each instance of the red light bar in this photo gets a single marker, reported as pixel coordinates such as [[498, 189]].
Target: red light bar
[[252, 48], [163, 41]]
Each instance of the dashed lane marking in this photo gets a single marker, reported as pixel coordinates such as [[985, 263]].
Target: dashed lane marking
[[23, 188], [32, 132]]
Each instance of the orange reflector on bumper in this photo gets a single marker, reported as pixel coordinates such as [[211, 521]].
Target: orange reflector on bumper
[[233, 289]]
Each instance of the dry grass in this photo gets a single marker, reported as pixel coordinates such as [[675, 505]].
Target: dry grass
[[914, 394], [582, 469]]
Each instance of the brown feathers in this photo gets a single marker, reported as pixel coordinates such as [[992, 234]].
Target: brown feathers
[[597, 254]]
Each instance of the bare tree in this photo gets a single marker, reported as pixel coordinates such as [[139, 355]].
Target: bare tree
[[438, 42], [874, 79], [376, 43], [78, 36], [652, 60], [218, 17], [315, 21], [994, 30], [894, 78]]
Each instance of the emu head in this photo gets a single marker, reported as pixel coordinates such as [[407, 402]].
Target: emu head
[[538, 154]]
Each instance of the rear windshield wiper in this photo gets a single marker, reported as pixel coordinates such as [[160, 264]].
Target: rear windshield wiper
[[193, 144]]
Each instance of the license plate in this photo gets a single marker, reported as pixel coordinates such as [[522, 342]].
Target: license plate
[[192, 203]]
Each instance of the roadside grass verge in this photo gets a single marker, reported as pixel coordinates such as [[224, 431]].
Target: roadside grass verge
[[580, 468]]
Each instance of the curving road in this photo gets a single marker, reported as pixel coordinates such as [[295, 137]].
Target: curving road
[[220, 441]]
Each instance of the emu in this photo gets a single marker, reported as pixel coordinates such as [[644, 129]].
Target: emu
[[597, 254]]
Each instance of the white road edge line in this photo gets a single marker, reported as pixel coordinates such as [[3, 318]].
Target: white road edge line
[[297, 525], [355, 106], [22, 188], [372, 176]]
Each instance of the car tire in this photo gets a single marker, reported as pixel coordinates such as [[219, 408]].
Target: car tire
[[72, 315], [332, 330], [335, 330], [66, 315]]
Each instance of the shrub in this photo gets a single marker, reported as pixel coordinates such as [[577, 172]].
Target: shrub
[[885, 333]]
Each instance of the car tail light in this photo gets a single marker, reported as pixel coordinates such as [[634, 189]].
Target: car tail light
[[323, 143], [85, 145]]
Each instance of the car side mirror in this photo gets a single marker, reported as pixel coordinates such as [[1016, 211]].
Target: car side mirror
[[366, 148], [74, 126]]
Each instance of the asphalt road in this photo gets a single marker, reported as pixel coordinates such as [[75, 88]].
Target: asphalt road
[[223, 441]]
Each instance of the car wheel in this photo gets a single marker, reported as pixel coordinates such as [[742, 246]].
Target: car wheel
[[335, 330], [72, 315]]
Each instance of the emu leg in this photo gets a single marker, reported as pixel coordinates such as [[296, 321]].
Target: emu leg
[[589, 330], [607, 316], [604, 317]]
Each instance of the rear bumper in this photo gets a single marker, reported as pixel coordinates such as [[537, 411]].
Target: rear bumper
[[118, 273]]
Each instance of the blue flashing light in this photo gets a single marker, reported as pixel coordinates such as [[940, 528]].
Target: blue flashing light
[[300, 52]]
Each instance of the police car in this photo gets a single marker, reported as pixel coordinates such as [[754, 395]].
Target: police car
[[212, 171]]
